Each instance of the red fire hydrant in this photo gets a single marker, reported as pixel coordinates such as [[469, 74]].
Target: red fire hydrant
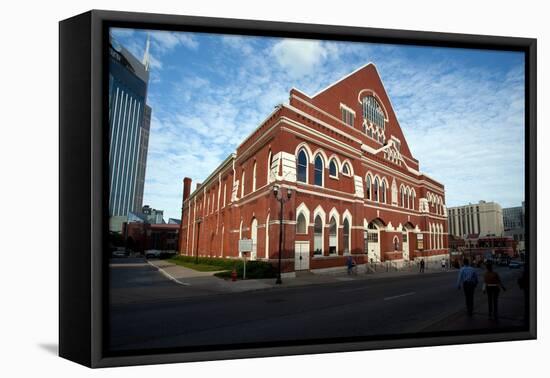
[[234, 275]]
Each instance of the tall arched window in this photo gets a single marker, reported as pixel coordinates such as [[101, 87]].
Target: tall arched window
[[318, 236], [301, 226], [369, 184], [242, 185], [345, 233], [431, 236], [254, 238], [302, 166], [402, 194], [333, 169], [267, 237], [375, 190], [406, 203], [412, 200], [269, 161], [254, 177], [383, 192], [441, 236], [333, 234], [318, 170]]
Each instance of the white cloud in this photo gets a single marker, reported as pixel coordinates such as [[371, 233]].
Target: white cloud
[[300, 57], [165, 41]]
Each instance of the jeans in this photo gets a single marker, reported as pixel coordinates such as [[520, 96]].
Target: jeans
[[469, 288], [492, 298]]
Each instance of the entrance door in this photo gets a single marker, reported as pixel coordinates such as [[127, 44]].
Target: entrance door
[[301, 255], [406, 245], [254, 237], [374, 245]]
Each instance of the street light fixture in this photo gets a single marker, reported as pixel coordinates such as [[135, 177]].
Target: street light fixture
[[281, 200]]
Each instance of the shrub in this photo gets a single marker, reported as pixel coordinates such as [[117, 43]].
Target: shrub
[[254, 269]]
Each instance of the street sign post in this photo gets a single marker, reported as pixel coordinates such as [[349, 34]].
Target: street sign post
[[245, 246]]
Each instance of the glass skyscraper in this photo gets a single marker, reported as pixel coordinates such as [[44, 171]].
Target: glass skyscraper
[[129, 123]]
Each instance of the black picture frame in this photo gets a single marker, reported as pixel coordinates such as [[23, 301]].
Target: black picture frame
[[82, 203]]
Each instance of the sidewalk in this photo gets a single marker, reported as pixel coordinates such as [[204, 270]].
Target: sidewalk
[[510, 309], [207, 282]]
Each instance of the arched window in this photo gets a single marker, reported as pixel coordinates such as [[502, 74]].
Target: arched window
[[242, 185], [406, 203], [373, 112], [345, 169], [375, 190], [412, 200], [302, 166], [254, 177], [332, 233], [269, 161], [369, 184], [333, 169], [318, 170], [254, 238], [345, 233], [402, 194], [431, 236], [441, 236], [383, 190], [318, 236], [301, 226], [396, 243]]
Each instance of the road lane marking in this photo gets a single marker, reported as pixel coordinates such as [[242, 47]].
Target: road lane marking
[[355, 289], [399, 296], [168, 275]]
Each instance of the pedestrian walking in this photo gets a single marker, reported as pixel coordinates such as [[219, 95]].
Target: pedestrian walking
[[492, 285], [443, 264], [467, 279], [351, 265], [422, 265]]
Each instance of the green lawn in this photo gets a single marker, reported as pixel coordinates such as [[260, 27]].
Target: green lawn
[[254, 269], [199, 267]]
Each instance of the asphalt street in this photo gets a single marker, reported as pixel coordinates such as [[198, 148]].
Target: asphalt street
[[147, 310]]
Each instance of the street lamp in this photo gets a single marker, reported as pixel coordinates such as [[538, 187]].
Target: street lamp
[[281, 200]]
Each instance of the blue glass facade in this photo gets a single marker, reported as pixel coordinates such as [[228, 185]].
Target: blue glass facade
[[129, 119]]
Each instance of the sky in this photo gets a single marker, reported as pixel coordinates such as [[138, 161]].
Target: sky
[[461, 110]]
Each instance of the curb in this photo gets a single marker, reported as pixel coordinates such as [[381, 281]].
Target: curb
[[168, 275]]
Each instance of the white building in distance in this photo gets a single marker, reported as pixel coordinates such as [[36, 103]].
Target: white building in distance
[[483, 218]]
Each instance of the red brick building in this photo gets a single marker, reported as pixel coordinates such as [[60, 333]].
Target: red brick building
[[142, 236], [356, 187]]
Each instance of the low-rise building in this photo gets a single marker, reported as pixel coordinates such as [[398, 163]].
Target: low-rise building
[[483, 218]]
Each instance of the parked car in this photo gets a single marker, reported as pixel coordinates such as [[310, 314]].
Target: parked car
[[120, 253], [515, 264], [150, 253]]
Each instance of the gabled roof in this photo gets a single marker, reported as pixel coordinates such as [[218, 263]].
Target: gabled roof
[[347, 91]]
